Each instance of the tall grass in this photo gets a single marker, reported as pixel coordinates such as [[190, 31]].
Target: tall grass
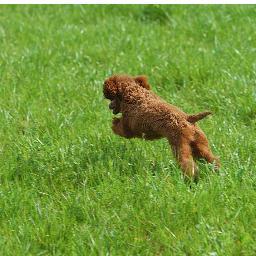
[[69, 186]]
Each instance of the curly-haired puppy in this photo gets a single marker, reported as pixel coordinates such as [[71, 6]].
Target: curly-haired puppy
[[147, 116]]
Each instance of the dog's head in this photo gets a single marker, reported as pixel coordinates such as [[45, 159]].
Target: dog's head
[[113, 86]]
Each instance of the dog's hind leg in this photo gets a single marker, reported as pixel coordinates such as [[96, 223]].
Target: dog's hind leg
[[183, 153], [201, 149]]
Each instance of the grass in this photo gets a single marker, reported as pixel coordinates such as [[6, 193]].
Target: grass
[[69, 186]]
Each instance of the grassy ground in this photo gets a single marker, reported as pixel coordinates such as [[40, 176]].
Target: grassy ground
[[68, 186]]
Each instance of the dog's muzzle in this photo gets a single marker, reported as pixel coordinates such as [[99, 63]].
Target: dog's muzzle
[[112, 106]]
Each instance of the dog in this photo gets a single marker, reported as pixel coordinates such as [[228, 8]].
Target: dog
[[145, 115]]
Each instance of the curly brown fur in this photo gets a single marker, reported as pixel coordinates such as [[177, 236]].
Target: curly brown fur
[[147, 116]]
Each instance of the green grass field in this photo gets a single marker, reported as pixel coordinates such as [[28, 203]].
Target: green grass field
[[69, 186]]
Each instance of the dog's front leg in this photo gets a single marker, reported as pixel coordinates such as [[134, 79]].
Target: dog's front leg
[[119, 128]]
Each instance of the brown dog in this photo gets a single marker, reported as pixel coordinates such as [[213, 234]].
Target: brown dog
[[147, 116]]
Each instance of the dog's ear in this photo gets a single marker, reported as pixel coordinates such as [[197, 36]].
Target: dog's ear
[[142, 81]]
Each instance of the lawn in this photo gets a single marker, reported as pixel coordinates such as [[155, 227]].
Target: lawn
[[69, 186]]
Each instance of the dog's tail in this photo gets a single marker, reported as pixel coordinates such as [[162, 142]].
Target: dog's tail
[[194, 118]]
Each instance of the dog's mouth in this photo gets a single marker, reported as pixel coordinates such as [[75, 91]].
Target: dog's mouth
[[115, 112]]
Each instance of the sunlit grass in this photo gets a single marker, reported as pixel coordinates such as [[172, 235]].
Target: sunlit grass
[[69, 186]]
